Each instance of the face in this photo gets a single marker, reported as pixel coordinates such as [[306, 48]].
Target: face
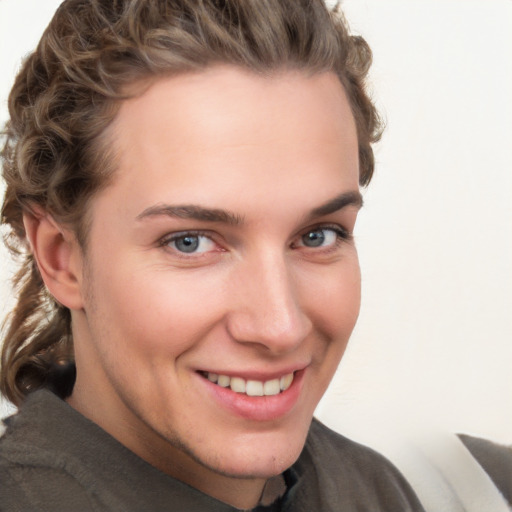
[[221, 282]]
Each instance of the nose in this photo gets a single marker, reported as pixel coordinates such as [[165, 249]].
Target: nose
[[267, 309]]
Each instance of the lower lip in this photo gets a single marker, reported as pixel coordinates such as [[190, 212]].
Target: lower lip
[[257, 408]]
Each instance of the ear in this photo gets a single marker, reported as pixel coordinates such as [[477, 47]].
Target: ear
[[58, 257]]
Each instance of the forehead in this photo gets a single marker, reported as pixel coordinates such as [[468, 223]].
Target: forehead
[[227, 130], [242, 101]]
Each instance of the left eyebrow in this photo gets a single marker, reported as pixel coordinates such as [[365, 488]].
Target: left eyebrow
[[353, 198]]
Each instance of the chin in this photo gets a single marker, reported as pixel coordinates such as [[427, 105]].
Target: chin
[[264, 468], [262, 457]]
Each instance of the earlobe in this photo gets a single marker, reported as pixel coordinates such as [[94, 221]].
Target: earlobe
[[58, 257]]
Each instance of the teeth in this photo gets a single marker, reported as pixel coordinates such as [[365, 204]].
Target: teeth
[[286, 381], [224, 381], [252, 387], [271, 387], [238, 385]]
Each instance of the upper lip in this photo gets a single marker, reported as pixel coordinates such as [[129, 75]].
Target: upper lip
[[260, 375]]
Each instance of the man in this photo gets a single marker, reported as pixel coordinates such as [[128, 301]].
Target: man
[[184, 177]]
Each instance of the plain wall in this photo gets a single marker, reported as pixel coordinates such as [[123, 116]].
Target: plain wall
[[434, 339]]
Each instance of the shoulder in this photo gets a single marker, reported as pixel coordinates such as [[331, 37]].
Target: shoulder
[[495, 459], [33, 476], [348, 475], [28, 488], [12, 496]]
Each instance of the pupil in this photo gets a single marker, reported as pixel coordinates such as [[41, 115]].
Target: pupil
[[187, 243], [314, 238]]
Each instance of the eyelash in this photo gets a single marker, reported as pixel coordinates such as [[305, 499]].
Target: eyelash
[[342, 235]]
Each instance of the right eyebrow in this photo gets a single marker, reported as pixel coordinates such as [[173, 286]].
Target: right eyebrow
[[190, 211]]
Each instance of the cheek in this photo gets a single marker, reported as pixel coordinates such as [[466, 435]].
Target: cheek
[[335, 300], [154, 310], [335, 311], [336, 308]]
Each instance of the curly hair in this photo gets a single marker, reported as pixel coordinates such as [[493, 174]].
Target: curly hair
[[55, 156]]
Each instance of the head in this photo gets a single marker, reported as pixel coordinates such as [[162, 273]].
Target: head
[[159, 157]]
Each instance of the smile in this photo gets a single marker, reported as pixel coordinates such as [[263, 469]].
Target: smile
[[251, 387]]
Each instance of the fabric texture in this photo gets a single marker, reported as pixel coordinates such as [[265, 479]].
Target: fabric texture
[[54, 459]]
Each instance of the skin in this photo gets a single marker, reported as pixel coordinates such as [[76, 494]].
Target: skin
[[255, 299]]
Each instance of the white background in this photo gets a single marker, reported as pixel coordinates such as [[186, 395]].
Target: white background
[[434, 340]]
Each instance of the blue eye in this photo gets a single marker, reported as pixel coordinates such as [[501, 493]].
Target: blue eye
[[190, 243], [321, 237]]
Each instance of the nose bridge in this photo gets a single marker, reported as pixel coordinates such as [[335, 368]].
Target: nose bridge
[[268, 309]]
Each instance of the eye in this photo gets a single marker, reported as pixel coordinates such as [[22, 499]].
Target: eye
[[190, 243], [322, 237]]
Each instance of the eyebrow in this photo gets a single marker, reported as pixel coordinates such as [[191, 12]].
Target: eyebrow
[[352, 198], [190, 211]]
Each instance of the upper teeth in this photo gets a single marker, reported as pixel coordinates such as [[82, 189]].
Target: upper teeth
[[252, 387]]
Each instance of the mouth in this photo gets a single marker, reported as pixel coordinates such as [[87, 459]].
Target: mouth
[[254, 397], [249, 387]]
